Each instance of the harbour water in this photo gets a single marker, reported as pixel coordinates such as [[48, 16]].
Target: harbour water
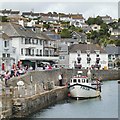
[[105, 106]]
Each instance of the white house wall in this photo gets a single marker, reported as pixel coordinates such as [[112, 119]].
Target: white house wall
[[73, 58]]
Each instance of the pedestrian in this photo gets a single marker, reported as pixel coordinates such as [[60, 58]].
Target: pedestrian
[[7, 76], [60, 79]]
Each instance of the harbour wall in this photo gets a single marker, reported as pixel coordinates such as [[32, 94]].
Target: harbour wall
[[40, 89]]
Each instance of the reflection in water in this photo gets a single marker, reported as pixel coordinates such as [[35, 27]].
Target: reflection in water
[[104, 107]]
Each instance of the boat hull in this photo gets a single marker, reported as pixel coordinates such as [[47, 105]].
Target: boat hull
[[83, 91]]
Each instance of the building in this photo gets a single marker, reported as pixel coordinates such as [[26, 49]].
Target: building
[[31, 14], [107, 19], [95, 27], [7, 12], [87, 55], [82, 37], [63, 50], [31, 47], [7, 52], [113, 55], [76, 20], [115, 34]]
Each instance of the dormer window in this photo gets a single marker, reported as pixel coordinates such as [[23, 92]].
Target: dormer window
[[88, 52], [88, 55], [97, 52], [97, 55]]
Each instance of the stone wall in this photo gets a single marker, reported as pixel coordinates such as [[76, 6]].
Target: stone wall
[[41, 89], [39, 77], [23, 107]]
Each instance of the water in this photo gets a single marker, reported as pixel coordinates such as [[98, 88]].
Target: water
[[104, 107]]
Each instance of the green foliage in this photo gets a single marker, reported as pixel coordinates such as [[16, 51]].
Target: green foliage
[[65, 33], [119, 20], [47, 26], [114, 25], [3, 19], [77, 29], [117, 42], [98, 20]]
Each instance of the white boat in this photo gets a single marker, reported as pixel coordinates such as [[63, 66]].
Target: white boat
[[82, 87]]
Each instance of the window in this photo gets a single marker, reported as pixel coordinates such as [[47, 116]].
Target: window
[[83, 80], [87, 81], [22, 41], [62, 57], [36, 41], [97, 55], [88, 55], [40, 52], [40, 42], [22, 51], [74, 80], [32, 51], [79, 80], [8, 55], [3, 55], [6, 43], [37, 51]]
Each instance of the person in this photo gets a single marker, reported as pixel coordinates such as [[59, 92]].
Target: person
[[7, 76], [60, 79]]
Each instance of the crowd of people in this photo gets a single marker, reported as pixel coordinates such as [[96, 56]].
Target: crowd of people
[[14, 72], [18, 69]]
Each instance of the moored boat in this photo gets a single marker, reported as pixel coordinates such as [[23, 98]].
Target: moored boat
[[82, 87]]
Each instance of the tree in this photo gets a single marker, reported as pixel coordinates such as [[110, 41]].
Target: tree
[[65, 33], [90, 21], [98, 20]]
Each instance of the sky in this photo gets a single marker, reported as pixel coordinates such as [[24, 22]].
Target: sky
[[88, 8]]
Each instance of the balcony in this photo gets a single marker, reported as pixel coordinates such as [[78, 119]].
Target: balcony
[[38, 57], [49, 46], [29, 46]]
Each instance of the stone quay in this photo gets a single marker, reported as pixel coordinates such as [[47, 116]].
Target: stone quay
[[36, 90]]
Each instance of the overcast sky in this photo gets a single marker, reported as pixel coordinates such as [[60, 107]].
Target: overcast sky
[[88, 9]]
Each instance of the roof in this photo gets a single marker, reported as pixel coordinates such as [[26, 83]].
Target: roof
[[4, 36], [112, 49], [83, 47], [77, 16], [16, 30]]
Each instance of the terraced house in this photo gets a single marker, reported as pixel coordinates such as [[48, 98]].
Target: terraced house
[[31, 47], [7, 52]]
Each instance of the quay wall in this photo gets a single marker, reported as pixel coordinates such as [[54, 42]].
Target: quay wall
[[52, 75], [41, 88], [23, 107]]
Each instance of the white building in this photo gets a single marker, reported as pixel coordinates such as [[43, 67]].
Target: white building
[[30, 48], [7, 52], [87, 55], [95, 27]]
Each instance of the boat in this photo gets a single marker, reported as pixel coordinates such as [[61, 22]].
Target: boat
[[84, 87]]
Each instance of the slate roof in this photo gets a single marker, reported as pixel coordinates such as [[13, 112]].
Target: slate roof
[[16, 30], [83, 47], [4, 36], [110, 49]]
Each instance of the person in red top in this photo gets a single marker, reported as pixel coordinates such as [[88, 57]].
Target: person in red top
[[49, 67]]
